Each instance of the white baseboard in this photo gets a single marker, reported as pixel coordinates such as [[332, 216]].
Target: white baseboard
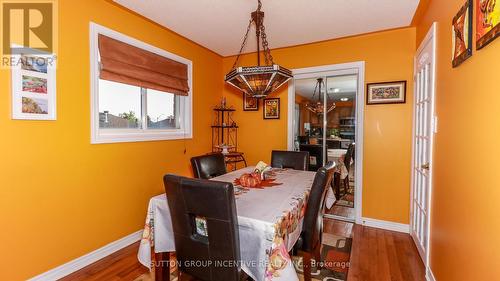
[[387, 225], [429, 276], [83, 261]]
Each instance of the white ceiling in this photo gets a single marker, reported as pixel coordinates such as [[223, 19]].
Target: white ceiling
[[219, 25], [346, 87]]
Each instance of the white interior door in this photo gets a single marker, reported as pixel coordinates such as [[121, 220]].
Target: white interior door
[[424, 128]]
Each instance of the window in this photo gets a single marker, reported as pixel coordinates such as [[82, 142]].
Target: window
[[119, 106], [162, 110], [133, 111]]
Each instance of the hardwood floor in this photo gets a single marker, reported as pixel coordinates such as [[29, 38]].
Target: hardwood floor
[[380, 255], [377, 255], [336, 227], [120, 266], [342, 211]]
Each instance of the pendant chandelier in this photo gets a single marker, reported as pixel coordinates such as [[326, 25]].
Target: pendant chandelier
[[258, 81], [318, 107]]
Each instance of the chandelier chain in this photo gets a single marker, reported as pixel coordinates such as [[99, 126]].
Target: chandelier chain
[[314, 93], [265, 44], [267, 52], [243, 44]]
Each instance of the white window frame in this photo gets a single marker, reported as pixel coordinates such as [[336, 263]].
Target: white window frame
[[185, 111]]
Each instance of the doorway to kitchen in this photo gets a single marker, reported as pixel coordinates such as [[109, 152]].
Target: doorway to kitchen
[[325, 106]]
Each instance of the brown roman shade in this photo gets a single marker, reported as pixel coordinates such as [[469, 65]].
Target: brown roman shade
[[123, 63]]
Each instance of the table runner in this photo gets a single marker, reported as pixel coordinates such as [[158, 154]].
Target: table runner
[[269, 223]]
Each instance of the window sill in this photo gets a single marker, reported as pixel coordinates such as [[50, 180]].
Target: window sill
[[112, 136]]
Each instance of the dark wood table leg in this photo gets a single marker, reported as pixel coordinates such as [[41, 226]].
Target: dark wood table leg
[[162, 266], [346, 185], [306, 266], [336, 185]]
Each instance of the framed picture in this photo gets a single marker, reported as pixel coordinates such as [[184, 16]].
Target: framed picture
[[272, 108], [33, 87], [462, 34], [487, 22], [386, 92], [250, 103]]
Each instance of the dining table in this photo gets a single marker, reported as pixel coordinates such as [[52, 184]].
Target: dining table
[[337, 156], [341, 171], [269, 224]]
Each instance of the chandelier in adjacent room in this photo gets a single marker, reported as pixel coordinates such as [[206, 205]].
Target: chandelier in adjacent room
[[258, 81], [318, 107]]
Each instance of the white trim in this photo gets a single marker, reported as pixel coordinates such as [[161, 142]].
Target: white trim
[[291, 115], [431, 35], [337, 69], [387, 225], [113, 136], [85, 260], [360, 121], [327, 68], [429, 276]]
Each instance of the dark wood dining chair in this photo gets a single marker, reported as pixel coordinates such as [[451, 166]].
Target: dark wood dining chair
[[205, 230], [303, 139], [309, 244], [333, 144], [349, 156], [315, 155], [297, 160], [208, 166]]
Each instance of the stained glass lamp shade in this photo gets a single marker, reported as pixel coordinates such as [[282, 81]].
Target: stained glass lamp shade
[[258, 81]]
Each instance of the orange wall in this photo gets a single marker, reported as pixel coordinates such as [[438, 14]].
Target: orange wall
[[60, 196], [465, 244], [387, 157]]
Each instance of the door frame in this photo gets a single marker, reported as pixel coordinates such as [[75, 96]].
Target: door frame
[[431, 35], [357, 67]]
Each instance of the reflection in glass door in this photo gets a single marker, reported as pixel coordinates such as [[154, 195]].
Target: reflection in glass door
[[327, 126]]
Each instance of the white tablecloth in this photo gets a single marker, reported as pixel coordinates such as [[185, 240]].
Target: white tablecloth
[[337, 156], [261, 212]]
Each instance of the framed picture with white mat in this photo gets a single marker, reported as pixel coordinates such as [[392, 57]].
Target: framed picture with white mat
[[33, 85]]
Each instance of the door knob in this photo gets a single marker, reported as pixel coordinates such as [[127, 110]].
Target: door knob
[[425, 166]]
